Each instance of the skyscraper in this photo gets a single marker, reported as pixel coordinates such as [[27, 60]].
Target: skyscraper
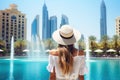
[[35, 27], [12, 23], [45, 23], [118, 26], [103, 22], [53, 24], [64, 20]]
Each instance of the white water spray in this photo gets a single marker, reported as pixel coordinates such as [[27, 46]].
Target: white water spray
[[11, 59], [87, 48]]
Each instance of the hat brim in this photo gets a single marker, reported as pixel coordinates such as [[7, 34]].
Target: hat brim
[[56, 36]]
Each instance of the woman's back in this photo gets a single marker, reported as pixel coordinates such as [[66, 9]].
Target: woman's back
[[79, 67]]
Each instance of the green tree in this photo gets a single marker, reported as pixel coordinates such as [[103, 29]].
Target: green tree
[[92, 43], [104, 41], [20, 45], [116, 44], [2, 47]]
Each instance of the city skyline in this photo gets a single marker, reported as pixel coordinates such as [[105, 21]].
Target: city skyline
[[84, 15]]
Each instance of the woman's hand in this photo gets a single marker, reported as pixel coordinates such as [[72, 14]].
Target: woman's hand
[[81, 77], [53, 75]]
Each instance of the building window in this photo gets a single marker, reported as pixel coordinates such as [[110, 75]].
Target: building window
[[13, 17], [6, 40], [3, 34], [7, 24], [119, 24], [7, 33], [15, 28], [7, 20], [7, 14], [15, 20], [15, 25], [18, 36], [7, 28], [23, 32], [3, 31], [18, 32], [3, 20], [3, 13], [15, 34], [3, 26], [22, 28]]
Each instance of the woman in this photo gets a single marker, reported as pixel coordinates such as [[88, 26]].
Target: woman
[[66, 62]]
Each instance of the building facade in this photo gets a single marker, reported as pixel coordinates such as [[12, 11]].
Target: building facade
[[118, 26], [64, 20], [53, 25], [12, 23], [103, 22]]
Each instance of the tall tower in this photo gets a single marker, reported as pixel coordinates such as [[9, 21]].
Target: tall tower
[[45, 22], [64, 20], [103, 25], [12, 23], [53, 24]]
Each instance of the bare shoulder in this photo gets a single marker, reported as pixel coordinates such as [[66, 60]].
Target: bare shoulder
[[54, 52]]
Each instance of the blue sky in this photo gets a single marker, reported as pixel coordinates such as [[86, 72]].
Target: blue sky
[[83, 15]]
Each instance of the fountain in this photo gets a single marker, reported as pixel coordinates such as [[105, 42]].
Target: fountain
[[87, 48], [87, 56], [37, 48], [11, 77]]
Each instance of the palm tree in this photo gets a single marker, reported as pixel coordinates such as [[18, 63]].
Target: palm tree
[[2, 46], [115, 40], [92, 43], [20, 45], [104, 41]]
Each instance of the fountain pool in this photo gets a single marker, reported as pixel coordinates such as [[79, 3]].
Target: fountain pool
[[27, 69]]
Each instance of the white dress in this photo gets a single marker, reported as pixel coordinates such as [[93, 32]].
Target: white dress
[[79, 68]]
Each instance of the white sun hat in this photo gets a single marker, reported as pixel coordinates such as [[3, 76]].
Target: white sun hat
[[66, 35]]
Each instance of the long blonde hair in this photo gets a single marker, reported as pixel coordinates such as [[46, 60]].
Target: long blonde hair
[[65, 58]]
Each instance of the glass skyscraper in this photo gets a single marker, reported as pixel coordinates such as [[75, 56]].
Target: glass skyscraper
[[53, 24], [35, 27], [64, 20], [45, 23], [103, 25]]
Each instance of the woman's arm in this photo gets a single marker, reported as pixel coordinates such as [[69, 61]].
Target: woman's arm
[[53, 75], [81, 77]]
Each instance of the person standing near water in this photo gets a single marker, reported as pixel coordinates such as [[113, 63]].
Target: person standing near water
[[66, 62]]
